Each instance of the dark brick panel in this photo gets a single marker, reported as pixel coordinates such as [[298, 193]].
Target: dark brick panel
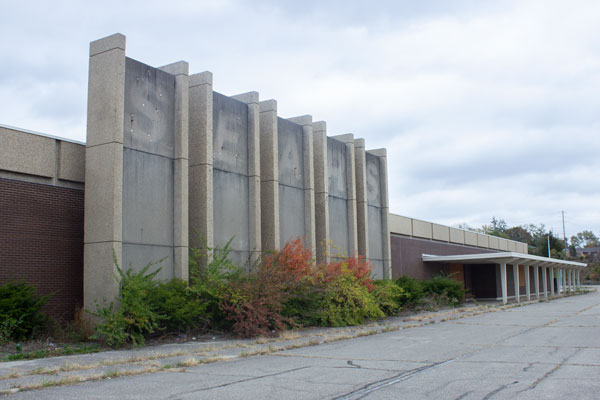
[[407, 251], [41, 241]]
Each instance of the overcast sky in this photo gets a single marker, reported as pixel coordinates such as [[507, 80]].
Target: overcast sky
[[487, 108]]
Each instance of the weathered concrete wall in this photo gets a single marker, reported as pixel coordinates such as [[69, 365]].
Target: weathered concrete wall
[[341, 195], [136, 194], [375, 236], [148, 170], [233, 145], [291, 182]]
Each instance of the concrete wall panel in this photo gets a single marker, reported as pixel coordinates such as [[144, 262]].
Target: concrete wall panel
[[375, 234], [470, 238], [441, 232], [503, 244], [512, 246], [71, 161], [230, 207], [148, 167], [400, 225], [291, 217], [338, 226], [26, 153], [147, 198], [291, 157], [494, 242], [483, 240], [457, 235], [336, 168], [373, 180], [149, 109], [422, 229], [230, 134]]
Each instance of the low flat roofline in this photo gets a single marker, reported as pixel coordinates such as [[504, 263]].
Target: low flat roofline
[[505, 257]]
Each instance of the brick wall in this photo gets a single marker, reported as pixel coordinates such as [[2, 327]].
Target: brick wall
[[41, 241]]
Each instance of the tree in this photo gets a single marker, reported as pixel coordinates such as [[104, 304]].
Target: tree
[[585, 239]]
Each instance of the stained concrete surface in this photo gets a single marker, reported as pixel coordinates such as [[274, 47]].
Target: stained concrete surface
[[542, 350]]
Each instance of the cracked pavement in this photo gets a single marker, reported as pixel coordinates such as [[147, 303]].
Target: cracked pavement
[[545, 350]]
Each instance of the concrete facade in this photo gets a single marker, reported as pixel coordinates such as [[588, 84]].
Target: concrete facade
[[170, 163]]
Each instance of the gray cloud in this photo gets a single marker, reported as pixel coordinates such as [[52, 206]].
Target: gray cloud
[[486, 108]]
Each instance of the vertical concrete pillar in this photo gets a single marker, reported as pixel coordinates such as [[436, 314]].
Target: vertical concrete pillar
[[309, 181], [269, 175], [503, 283], [573, 280], [567, 280], [321, 191], [351, 193], [578, 278], [551, 281], [536, 280], [362, 223], [201, 160], [180, 170], [516, 282], [545, 278], [103, 226], [385, 210], [254, 199], [527, 282]]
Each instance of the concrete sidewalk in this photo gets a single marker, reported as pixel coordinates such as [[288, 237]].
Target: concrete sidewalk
[[31, 376]]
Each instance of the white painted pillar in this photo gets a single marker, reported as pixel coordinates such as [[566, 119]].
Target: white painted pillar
[[552, 281], [527, 282], [567, 279], [561, 288], [579, 278], [503, 283], [545, 278], [516, 280], [572, 280], [536, 281]]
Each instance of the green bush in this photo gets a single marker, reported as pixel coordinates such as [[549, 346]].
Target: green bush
[[388, 296], [20, 312], [412, 289], [444, 285], [179, 308], [346, 301], [134, 317]]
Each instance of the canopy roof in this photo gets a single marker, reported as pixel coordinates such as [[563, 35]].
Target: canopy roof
[[505, 257]]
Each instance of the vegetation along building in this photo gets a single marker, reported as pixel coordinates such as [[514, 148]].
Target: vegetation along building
[[170, 163]]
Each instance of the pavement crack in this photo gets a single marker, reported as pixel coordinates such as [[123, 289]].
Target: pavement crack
[[238, 381], [351, 363], [552, 371], [380, 384], [465, 394], [495, 391]]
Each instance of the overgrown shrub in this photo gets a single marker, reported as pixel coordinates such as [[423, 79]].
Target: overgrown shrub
[[412, 289], [444, 285], [179, 307], [134, 317], [389, 296], [346, 301], [20, 312]]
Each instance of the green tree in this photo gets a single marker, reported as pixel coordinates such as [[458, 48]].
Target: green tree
[[585, 239]]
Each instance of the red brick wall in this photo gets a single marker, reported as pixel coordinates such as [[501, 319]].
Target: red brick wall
[[41, 241]]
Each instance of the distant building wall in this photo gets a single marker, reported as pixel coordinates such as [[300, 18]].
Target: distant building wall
[[41, 216]]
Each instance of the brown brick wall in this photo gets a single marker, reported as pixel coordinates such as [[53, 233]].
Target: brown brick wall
[[407, 251], [41, 241]]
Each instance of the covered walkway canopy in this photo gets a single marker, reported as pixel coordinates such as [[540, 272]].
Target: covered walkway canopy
[[567, 273]]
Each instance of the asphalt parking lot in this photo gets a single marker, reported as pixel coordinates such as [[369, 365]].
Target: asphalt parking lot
[[545, 350]]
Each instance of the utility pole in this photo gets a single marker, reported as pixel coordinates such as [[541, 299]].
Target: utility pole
[[549, 233]]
